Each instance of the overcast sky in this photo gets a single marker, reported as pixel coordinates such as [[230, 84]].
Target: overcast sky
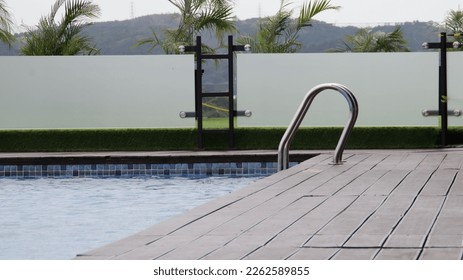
[[361, 12]]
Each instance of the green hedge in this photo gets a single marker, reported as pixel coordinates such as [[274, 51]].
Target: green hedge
[[246, 139], [361, 138]]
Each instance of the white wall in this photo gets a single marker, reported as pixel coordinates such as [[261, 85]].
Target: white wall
[[96, 91], [392, 88]]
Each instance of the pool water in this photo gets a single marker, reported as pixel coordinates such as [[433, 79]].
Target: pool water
[[52, 219]]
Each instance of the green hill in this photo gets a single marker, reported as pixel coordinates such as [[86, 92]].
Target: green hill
[[119, 37]]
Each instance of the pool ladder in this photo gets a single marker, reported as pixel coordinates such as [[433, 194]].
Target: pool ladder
[[283, 148]]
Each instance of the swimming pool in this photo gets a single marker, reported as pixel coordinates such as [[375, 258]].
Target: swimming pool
[[57, 218]]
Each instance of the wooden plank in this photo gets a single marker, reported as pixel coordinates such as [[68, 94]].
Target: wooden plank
[[354, 216], [416, 225], [120, 247], [154, 250], [356, 254], [370, 162], [360, 240], [442, 254], [440, 182], [273, 222], [279, 222], [391, 161], [457, 187], [309, 187], [316, 219], [326, 241], [337, 231], [411, 161], [379, 226], [281, 247], [413, 183], [272, 253], [323, 173], [289, 239], [448, 229], [314, 254], [405, 241], [362, 183], [262, 232], [235, 250], [444, 240], [347, 173], [398, 254], [386, 184], [339, 182], [196, 249], [432, 161], [452, 161]]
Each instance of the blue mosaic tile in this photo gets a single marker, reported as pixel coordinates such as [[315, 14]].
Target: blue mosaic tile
[[131, 170]]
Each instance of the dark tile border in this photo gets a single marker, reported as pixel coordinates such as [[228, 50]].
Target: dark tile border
[[138, 170]]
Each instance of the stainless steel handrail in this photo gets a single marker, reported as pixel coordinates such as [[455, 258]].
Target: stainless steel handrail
[[283, 148]]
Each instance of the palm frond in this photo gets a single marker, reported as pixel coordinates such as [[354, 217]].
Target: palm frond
[[54, 10], [310, 9], [196, 16], [6, 23], [454, 21], [217, 17], [365, 40], [63, 37], [279, 33]]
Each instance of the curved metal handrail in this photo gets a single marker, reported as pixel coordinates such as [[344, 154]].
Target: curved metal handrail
[[283, 148]]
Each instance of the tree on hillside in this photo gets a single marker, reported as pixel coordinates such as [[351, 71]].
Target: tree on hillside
[[63, 37], [6, 23], [279, 33], [196, 16], [365, 40]]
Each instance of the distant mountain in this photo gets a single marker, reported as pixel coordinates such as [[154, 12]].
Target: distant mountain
[[119, 37], [323, 36]]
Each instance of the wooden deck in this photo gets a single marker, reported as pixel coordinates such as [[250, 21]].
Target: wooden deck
[[378, 205]]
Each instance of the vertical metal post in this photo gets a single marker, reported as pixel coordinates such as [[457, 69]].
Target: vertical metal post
[[443, 104], [198, 91], [231, 92]]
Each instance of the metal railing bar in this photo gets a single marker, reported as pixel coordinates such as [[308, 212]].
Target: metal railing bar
[[283, 148]]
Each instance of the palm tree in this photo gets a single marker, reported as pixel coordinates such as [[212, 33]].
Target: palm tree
[[280, 33], [453, 24], [6, 23], [365, 40], [195, 16], [454, 21], [64, 37]]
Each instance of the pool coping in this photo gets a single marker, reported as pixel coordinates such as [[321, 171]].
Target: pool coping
[[142, 164]]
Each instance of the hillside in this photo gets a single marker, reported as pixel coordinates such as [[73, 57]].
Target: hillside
[[119, 37]]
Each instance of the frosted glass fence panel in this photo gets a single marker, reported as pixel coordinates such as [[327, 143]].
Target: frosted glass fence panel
[[96, 91], [455, 85], [392, 88]]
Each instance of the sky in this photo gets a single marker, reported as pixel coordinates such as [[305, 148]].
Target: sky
[[355, 12]]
